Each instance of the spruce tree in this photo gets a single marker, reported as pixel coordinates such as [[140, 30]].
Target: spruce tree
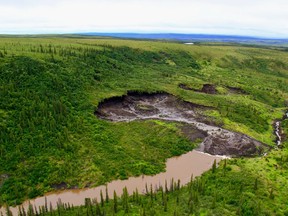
[[101, 198], [137, 196], [8, 211], [115, 203], [107, 195], [46, 205], [98, 210], [165, 203], [214, 166]]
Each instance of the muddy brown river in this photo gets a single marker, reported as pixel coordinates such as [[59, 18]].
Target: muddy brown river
[[182, 167], [134, 106]]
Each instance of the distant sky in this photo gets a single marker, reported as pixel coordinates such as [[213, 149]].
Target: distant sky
[[266, 18]]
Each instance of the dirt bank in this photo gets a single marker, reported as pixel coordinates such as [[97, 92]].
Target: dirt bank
[[193, 163], [217, 141], [206, 88], [235, 90]]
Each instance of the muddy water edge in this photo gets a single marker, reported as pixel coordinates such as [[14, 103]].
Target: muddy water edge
[[193, 163], [168, 108]]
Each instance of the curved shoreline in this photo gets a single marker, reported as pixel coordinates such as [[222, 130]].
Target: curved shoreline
[[177, 168], [181, 167]]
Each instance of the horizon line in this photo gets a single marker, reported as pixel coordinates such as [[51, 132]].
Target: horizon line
[[144, 33]]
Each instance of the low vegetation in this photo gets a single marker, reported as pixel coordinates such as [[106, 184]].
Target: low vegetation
[[50, 89]]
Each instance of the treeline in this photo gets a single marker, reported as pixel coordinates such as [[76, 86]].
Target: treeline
[[221, 191], [48, 123], [50, 91]]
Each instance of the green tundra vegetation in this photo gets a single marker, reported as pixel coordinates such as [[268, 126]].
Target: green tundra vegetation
[[50, 88]]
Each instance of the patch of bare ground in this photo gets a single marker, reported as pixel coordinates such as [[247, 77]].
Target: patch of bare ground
[[206, 88], [235, 90], [166, 107], [211, 89]]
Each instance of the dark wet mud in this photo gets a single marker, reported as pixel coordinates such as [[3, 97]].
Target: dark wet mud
[[194, 125], [163, 106], [235, 90], [207, 88], [211, 89]]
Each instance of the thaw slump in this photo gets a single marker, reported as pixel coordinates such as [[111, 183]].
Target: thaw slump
[[166, 107], [278, 131]]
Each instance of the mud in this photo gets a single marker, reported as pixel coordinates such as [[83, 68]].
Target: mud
[[278, 130], [217, 141], [185, 87], [192, 133], [211, 89], [193, 163], [235, 90], [60, 186], [207, 88]]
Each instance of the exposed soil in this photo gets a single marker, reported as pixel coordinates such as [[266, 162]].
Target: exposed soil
[[235, 90], [59, 186], [192, 133], [217, 141], [63, 185], [185, 87], [207, 88], [211, 89], [237, 145], [280, 136]]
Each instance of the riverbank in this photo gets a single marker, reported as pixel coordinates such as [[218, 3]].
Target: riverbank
[[180, 168]]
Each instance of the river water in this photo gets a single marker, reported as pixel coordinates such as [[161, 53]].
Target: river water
[[182, 167]]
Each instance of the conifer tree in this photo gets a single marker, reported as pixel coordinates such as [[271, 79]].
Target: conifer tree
[[151, 193], [115, 202], [125, 200], [23, 211], [107, 195], [98, 210], [165, 203], [20, 213], [30, 210], [46, 205], [101, 198], [172, 185], [166, 187], [8, 212], [178, 184], [214, 166]]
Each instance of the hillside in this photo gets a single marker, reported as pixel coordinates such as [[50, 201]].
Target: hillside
[[51, 138]]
